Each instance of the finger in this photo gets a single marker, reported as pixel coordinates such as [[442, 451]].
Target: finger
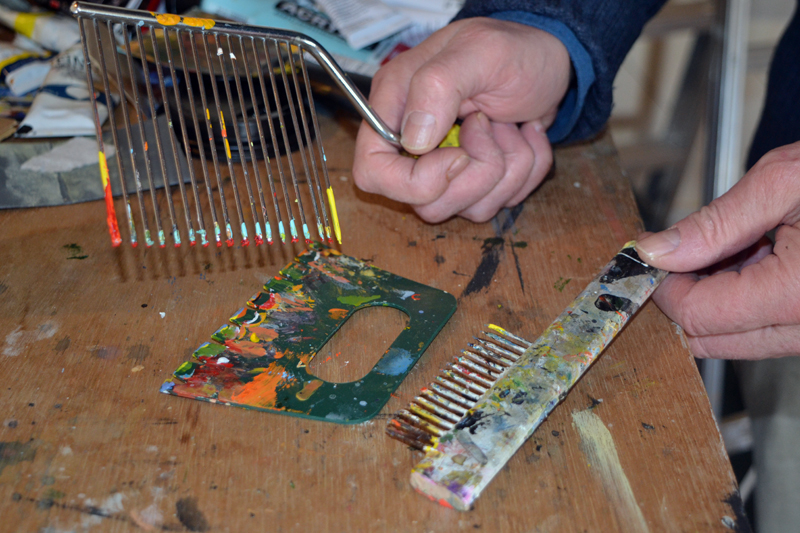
[[765, 198], [772, 341], [536, 135], [416, 182], [765, 293], [485, 169], [519, 163]]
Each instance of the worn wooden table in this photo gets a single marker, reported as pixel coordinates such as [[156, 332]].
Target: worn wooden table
[[89, 334]]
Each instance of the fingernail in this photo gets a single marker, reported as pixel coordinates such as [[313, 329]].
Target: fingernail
[[484, 122], [659, 244], [417, 130], [538, 126], [457, 167]]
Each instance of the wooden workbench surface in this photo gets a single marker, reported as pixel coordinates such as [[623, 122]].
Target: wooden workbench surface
[[88, 443]]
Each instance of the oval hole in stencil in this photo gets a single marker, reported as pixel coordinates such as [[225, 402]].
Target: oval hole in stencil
[[358, 345]]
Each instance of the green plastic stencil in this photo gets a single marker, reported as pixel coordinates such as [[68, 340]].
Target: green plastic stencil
[[260, 360]]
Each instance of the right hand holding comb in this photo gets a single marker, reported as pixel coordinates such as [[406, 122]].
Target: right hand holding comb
[[505, 80]]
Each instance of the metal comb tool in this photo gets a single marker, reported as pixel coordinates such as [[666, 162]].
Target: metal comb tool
[[482, 408], [197, 94]]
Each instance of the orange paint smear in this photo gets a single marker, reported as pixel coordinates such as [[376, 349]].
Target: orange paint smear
[[337, 314], [263, 390]]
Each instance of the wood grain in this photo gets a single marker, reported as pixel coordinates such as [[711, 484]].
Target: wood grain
[[88, 444]]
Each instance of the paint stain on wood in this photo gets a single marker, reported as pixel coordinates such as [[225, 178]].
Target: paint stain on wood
[[190, 515], [12, 453], [599, 448], [75, 251]]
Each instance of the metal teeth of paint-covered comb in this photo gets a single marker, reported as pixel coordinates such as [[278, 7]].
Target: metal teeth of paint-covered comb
[[200, 89], [481, 409]]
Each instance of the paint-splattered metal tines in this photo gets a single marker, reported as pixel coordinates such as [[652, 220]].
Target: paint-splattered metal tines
[[480, 410], [444, 402], [241, 75]]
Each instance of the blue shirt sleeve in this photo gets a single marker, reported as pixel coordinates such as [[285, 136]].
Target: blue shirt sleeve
[[572, 105]]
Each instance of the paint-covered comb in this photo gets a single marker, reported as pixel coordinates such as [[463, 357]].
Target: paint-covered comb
[[486, 404], [226, 92]]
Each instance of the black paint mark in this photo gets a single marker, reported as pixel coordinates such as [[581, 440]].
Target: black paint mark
[[11, 423], [459, 274], [626, 264], [439, 259], [742, 524], [490, 251], [144, 305], [75, 251], [519, 268], [555, 433], [490, 260], [614, 304], [472, 421], [648, 427], [138, 353], [190, 516], [12, 453], [62, 345], [519, 397], [412, 243], [519, 244], [3, 288], [440, 236], [594, 402]]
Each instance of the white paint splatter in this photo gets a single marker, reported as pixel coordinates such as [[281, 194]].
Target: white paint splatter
[[162, 314], [19, 339], [65, 450]]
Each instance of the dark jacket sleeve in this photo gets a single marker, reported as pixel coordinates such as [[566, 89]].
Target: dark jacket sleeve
[[606, 29]]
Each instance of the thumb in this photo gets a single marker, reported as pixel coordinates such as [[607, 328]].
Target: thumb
[[765, 198]]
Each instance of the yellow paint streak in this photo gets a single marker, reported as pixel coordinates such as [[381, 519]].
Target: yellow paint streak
[[25, 22], [598, 446], [103, 169], [167, 19], [199, 23], [335, 215]]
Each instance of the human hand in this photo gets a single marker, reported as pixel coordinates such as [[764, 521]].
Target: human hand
[[505, 80], [747, 305]]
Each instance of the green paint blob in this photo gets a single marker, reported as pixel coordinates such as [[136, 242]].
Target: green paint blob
[[357, 300]]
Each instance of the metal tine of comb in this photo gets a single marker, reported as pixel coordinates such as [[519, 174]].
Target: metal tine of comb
[[168, 114], [209, 128], [494, 352], [275, 142], [312, 178], [235, 126], [464, 392], [445, 400], [290, 103], [259, 238], [143, 139], [107, 90], [284, 135], [519, 340], [198, 136], [409, 434], [260, 127], [323, 161], [444, 403], [127, 122], [486, 361], [459, 402], [224, 134], [185, 135], [159, 150], [441, 412]]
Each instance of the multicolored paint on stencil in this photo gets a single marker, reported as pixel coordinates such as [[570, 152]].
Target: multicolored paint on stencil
[[461, 460], [260, 360]]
